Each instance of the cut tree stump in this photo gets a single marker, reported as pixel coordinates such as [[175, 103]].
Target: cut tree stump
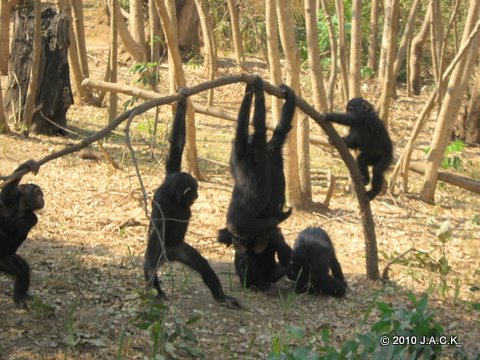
[[54, 94]]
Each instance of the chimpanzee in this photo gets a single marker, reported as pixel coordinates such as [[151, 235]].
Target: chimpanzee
[[313, 258], [17, 217], [170, 216], [369, 135], [255, 252], [251, 170]]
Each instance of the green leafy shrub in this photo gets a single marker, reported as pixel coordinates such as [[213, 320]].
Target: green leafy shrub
[[411, 331]]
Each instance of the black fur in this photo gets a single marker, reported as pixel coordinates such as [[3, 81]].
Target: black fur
[[313, 258], [369, 135], [170, 216], [260, 270], [17, 217], [255, 246], [250, 169]]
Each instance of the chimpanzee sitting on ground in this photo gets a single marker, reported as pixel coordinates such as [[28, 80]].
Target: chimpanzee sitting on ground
[[17, 217], [369, 135], [170, 216], [313, 258], [255, 261]]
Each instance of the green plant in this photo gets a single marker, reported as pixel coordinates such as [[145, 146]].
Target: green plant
[[452, 158], [398, 334], [168, 332], [476, 219]]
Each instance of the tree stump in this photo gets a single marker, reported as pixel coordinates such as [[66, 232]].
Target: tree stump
[[54, 94]]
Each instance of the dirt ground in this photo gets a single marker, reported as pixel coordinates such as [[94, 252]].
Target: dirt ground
[[86, 252]]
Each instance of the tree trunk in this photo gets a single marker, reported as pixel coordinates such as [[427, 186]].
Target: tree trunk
[[451, 103], [187, 26], [298, 166], [79, 32], [355, 50], [342, 48], [112, 63], [275, 66], [416, 58], [53, 95], [4, 36], [387, 5], [34, 69], [210, 62], [236, 33], [136, 23], [436, 36], [407, 34], [373, 36], [391, 46], [316, 71], [173, 52], [155, 30], [133, 48], [334, 55], [3, 118], [472, 121]]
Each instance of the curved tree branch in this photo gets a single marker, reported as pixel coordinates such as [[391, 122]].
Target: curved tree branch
[[366, 215]]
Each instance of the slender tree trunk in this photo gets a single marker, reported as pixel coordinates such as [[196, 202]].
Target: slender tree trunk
[[4, 36], [173, 52], [472, 126], [297, 174], [154, 23], [355, 50], [334, 55], [236, 33], [136, 50], [316, 70], [112, 65], [342, 48], [273, 54], [416, 58], [172, 14], [211, 56], [407, 34], [451, 103], [79, 32], [81, 94], [137, 25], [391, 46], [436, 36], [373, 36], [384, 45], [33, 82], [451, 26], [4, 129]]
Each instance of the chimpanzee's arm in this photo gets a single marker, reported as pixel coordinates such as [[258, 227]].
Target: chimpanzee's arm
[[177, 138], [241, 134], [342, 119], [285, 124], [9, 192], [260, 129]]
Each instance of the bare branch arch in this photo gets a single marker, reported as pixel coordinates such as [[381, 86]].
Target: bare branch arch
[[366, 215]]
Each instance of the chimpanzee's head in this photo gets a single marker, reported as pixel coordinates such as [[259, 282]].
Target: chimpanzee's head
[[359, 106]]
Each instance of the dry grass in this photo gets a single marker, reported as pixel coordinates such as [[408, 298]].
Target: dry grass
[[87, 265]]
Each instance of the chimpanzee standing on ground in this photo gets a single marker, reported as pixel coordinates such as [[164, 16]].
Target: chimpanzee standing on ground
[[369, 135], [17, 217], [170, 217]]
